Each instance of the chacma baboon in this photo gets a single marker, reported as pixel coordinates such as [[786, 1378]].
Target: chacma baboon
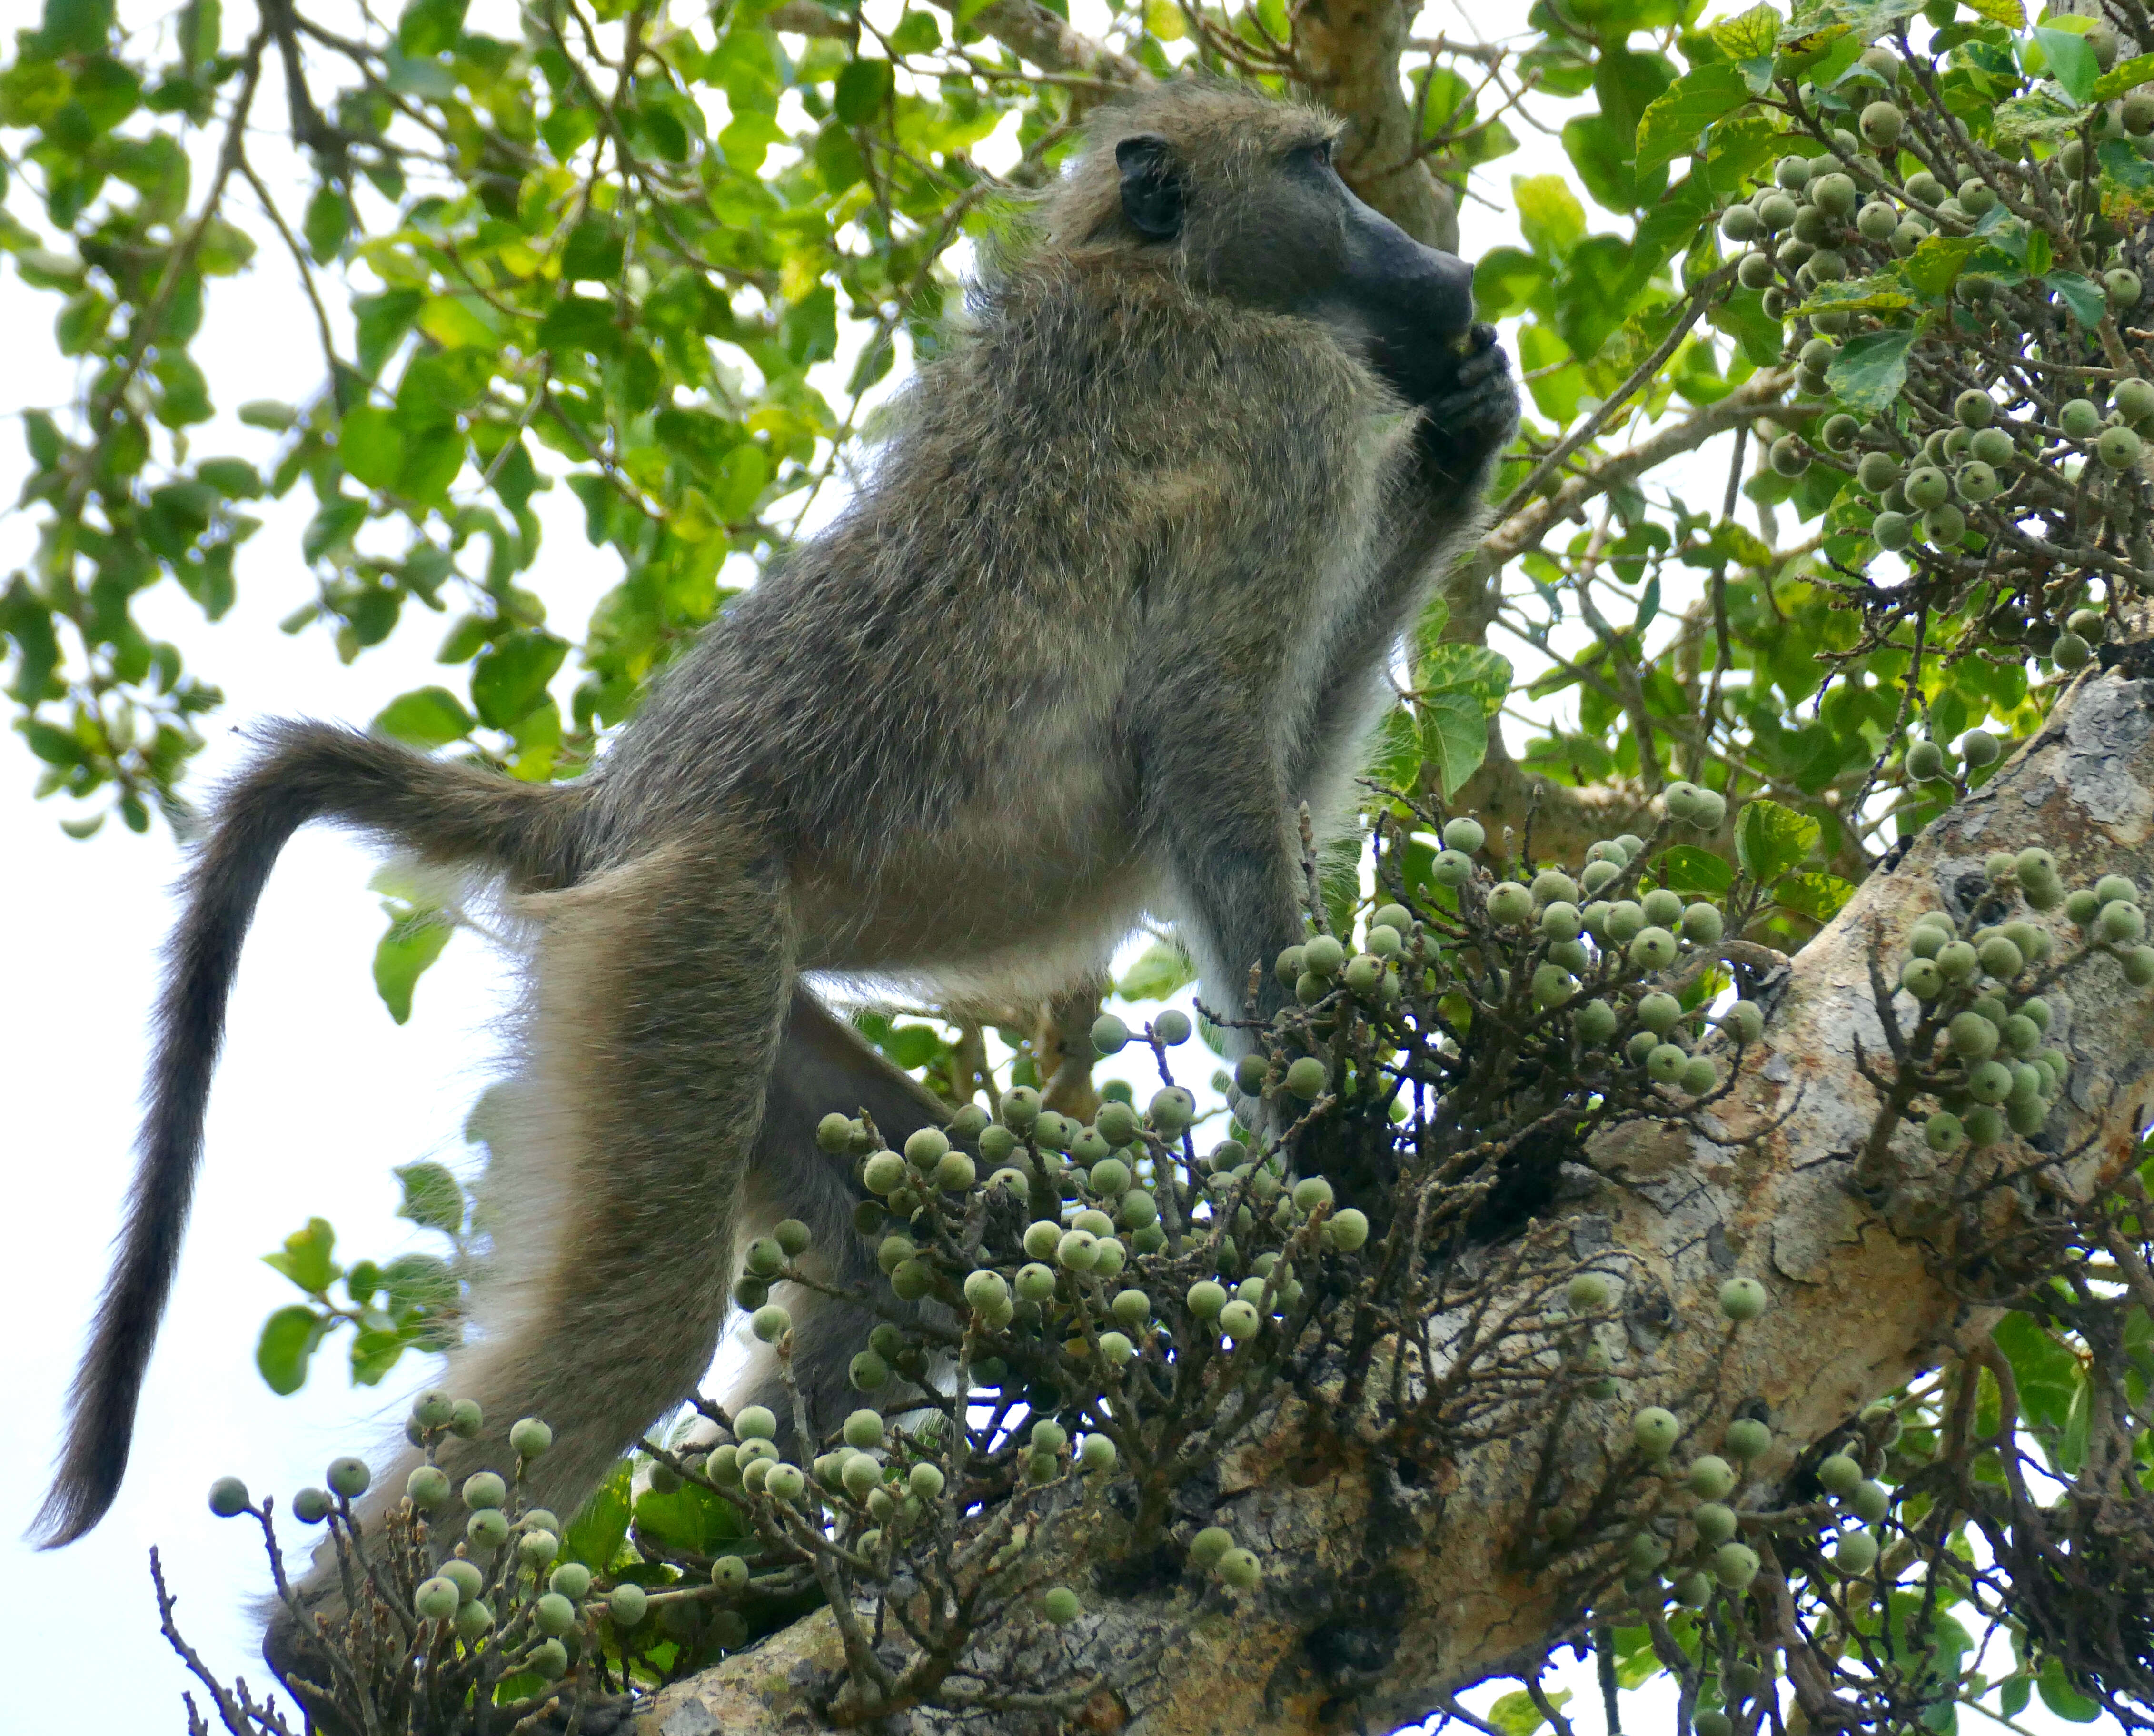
[[1118, 597]]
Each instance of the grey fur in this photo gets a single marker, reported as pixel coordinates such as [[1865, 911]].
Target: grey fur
[[1118, 597]]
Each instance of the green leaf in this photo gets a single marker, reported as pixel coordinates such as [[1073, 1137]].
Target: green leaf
[[921, 33], [2043, 1368], [742, 475], [2081, 294], [1550, 215], [1805, 43], [234, 479], [32, 91], [1504, 280], [426, 718], [1749, 34], [289, 1339], [454, 323], [371, 447], [327, 222], [577, 324], [1685, 868], [411, 944], [431, 460], [55, 746], [599, 1528], [1397, 759], [1670, 226], [862, 88], [1870, 371], [430, 27], [1770, 840], [1636, 1662], [1474, 670], [200, 32], [2008, 13], [1884, 293], [305, 1257], [379, 321], [433, 1198], [2125, 75], [106, 92], [1935, 265], [1454, 737], [1743, 316], [2122, 163], [420, 1281], [1602, 152], [1737, 148], [909, 1046], [2018, 1691], [41, 434], [1591, 290], [1161, 970], [1819, 896], [1515, 1713], [2037, 115], [2071, 62], [225, 248], [1669, 126], [1625, 82], [747, 139], [2061, 1697], [593, 251], [375, 1350], [509, 677], [809, 326], [418, 77], [692, 1519], [75, 27]]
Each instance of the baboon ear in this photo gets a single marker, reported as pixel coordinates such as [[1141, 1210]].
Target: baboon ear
[[1151, 186]]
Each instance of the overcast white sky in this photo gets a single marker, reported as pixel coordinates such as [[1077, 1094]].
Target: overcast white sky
[[292, 1133]]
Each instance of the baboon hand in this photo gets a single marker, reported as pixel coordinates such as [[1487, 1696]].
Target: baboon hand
[[1477, 410]]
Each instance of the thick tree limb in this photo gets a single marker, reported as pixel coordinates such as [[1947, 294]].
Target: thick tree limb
[[1349, 52], [1032, 32], [1380, 1599]]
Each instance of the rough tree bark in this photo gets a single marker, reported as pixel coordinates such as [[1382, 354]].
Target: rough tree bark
[[1380, 1601]]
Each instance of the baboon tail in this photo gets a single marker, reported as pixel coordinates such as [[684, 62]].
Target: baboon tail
[[444, 812]]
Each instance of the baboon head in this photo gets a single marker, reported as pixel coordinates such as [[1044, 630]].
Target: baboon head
[[1236, 195]]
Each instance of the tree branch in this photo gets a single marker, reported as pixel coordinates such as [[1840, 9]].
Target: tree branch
[[1858, 1311], [1348, 54], [1032, 32]]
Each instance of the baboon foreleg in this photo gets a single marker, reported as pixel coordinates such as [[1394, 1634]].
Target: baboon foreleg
[[824, 1067], [1218, 813]]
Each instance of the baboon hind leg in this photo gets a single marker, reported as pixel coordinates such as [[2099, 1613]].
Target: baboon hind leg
[[822, 1067], [658, 995]]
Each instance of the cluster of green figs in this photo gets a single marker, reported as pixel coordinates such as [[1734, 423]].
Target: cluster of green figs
[[1944, 461], [502, 1587], [1693, 1556], [1589, 947], [1991, 1066]]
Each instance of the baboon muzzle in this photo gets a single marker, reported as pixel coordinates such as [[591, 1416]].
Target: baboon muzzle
[[1404, 295]]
